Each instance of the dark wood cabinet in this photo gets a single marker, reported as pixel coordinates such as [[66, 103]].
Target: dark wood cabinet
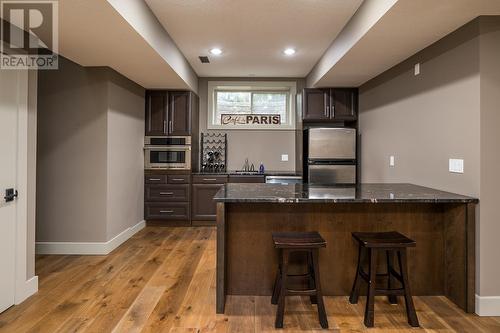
[[169, 112], [170, 193], [167, 197], [179, 113], [203, 205], [178, 211], [345, 103], [316, 104], [156, 112], [329, 104]]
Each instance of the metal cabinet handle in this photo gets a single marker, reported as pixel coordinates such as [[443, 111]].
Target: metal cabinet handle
[[332, 115], [154, 179], [165, 126], [166, 193], [166, 211], [178, 179], [327, 111], [209, 179], [170, 126]]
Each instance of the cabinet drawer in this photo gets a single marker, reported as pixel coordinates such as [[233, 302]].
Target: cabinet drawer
[[166, 211], [167, 193], [209, 179], [178, 179], [247, 179], [155, 179]]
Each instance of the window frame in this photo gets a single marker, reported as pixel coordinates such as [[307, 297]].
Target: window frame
[[288, 87]]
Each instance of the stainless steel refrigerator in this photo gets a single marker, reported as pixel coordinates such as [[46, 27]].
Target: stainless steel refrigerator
[[331, 155]]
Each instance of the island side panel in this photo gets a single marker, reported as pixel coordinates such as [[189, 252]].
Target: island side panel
[[221, 258], [471, 257], [459, 279], [252, 260]]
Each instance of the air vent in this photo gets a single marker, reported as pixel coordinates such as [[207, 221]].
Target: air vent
[[204, 59]]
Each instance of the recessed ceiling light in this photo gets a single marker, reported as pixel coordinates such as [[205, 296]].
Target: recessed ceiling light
[[216, 51], [289, 51]]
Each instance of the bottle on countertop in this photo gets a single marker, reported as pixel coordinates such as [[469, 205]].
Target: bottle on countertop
[[261, 167]]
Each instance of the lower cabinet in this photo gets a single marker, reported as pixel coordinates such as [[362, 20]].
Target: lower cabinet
[[202, 203], [167, 198]]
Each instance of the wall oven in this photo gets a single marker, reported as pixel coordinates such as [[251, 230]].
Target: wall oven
[[167, 153]]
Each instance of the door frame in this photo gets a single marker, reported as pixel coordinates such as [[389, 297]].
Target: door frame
[[24, 286]]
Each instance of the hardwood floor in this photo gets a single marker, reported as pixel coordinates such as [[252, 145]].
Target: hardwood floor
[[163, 280]]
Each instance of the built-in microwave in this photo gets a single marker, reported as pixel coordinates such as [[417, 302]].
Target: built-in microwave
[[168, 153], [163, 157]]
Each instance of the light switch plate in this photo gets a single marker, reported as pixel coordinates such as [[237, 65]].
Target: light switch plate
[[392, 161], [417, 68], [284, 157], [456, 165]]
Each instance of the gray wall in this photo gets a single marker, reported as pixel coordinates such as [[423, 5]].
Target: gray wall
[[125, 198], [264, 146], [90, 132], [489, 228], [71, 161], [448, 111]]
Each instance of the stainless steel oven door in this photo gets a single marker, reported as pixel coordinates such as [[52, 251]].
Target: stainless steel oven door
[[171, 158]]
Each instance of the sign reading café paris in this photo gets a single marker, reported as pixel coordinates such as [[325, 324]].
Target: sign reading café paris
[[250, 119]]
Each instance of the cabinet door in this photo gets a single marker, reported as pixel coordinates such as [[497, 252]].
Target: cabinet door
[[179, 115], [203, 205], [345, 104], [316, 104], [156, 112]]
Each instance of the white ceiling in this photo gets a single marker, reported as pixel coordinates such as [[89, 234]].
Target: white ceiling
[[93, 33], [253, 33], [408, 27]]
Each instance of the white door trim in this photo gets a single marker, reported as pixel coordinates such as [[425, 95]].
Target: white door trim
[[25, 286]]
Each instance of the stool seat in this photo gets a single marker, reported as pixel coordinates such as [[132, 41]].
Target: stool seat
[[288, 243], [383, 239], [298, 240], [371, 244]]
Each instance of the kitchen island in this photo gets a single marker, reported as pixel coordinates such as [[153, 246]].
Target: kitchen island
[[441, 223]]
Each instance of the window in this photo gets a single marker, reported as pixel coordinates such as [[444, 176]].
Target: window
[[251, 105]]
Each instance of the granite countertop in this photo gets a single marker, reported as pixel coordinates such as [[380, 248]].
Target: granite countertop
[[363, 193], [241, 173]]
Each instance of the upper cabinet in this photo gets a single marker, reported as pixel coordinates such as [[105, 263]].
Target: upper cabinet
[[179, 113], [156, 112], [169, 112], [330, 104]]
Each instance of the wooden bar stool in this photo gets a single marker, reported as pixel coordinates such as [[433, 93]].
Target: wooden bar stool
[[292, 242], [370, 244]]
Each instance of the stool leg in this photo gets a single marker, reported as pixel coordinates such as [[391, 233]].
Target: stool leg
[[370, 297], [410, 308], [312, 285], [319, 295], [282, 293], [353, 298], [277, 281], [393, 299]]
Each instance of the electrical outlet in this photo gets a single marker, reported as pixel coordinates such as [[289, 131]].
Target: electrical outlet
[[456, 165], [284, 158], [392, 161], [417, 69]]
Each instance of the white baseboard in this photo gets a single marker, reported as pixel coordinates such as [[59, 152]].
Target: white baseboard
[[488, 306], [24, 291], [88, 248]]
